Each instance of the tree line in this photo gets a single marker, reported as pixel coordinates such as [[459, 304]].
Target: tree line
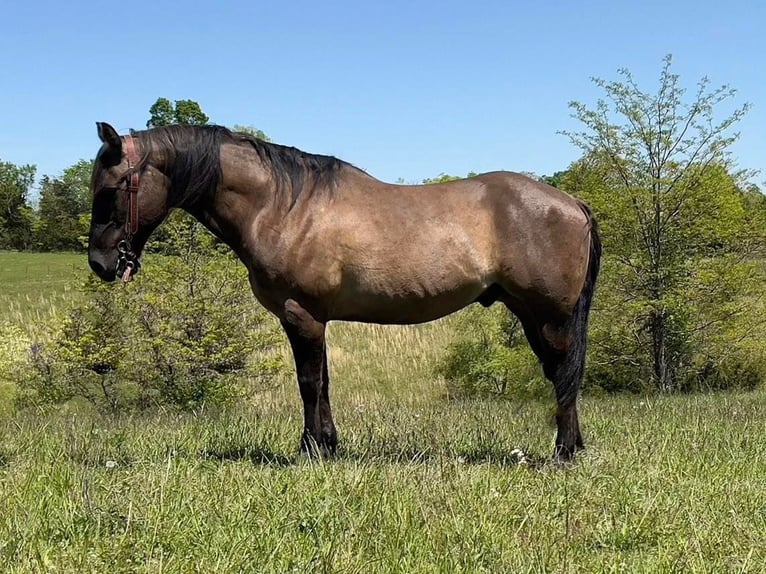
[[681, 301]]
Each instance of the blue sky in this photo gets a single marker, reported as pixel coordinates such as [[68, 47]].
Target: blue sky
[[404, 89]]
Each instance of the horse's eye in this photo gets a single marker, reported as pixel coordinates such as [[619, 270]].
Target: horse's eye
[[104, 205]]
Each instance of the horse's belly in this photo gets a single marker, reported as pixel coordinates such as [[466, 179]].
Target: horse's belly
[[398, 302]]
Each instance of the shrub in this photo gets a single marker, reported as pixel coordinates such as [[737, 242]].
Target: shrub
[[492, 357], [83, 358], [716, 331], [187, 334], [203, 331]]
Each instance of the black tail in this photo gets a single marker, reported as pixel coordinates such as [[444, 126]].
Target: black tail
[[570, 368]]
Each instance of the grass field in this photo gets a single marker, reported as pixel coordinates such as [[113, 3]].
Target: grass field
[[35, 285], [422, 484]]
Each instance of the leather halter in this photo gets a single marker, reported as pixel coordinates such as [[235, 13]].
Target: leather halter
[[127, 261], [131, 222]]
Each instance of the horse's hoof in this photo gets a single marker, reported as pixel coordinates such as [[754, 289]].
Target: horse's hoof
[[326, 448], [564, 455]]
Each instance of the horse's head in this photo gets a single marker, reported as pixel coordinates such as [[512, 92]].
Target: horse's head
[[130, 199]]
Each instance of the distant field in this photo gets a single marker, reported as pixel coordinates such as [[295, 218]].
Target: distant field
[[35, 285], [422, 484]]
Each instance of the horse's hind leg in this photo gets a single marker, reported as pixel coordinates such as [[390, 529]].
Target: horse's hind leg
[[307, 339], [560, 347], [564, 365]]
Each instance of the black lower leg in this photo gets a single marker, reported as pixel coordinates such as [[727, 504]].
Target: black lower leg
[[568, 437], [566, 378], [306, 336], [329, 436]]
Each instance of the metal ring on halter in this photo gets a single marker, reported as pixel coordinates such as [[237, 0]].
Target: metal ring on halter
[[127, 262]]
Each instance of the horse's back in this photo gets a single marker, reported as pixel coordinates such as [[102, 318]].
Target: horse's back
[[414, 253]]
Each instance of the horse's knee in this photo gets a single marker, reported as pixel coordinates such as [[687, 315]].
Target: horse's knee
[[302, 320]]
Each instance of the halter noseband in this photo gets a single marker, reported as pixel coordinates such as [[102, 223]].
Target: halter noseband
[[127, 261]]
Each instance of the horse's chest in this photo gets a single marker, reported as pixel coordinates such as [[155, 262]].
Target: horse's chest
[[273, 284]]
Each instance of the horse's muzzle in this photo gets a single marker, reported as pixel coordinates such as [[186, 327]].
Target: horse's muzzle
[[104, 273]]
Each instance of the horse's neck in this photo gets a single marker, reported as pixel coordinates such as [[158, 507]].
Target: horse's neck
[[244, 192]]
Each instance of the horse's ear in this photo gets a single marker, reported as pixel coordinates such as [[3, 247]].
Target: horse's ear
[[109, 136]]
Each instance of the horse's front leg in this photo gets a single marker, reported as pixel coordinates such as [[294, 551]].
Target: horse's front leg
[[329, 440], [307, 339]]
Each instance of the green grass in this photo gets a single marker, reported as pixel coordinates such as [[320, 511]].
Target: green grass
[[34, 286], [421, 484]]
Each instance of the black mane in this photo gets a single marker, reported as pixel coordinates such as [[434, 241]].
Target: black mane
[[191, 159], [301, 171], [189, 156]]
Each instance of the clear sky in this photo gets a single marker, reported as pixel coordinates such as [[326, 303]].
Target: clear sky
[[400, 88]]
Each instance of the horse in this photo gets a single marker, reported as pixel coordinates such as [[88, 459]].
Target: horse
[[324, 241]]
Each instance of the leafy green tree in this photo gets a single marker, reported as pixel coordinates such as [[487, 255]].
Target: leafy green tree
[[62, 218], [554, 180], [188, 112], [251, 130], [755, 213], [164, 113], [659, 175], [444, 178], [16, 216]]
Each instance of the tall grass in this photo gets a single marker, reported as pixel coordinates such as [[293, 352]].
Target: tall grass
[[421, 483]]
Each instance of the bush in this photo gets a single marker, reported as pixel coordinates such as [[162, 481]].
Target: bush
[[203, 331], [83, 358], [492, 358], [186, 334], [715, 328], [716, 333]]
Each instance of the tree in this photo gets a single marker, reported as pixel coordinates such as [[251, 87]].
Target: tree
[[444, 178], [659, 174], [16, 217], [64, 208], [163, 113], [251, 131], [188, 112]]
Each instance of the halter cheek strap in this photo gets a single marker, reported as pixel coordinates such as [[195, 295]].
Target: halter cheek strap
[[127, 262], [131, 223]]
